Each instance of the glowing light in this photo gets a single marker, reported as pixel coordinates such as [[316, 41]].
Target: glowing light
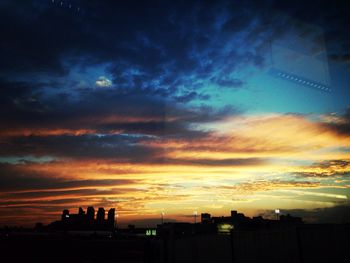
[[224, 228], [151, 232], [103, 82]]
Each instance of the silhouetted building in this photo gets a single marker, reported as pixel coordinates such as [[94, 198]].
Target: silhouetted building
[[81, 212], [205, 218], [238, 221], [111, 218], [238, 217], [90, 214], [233, 213], [291, 219], [100, 218], [209, 224], [65, 215], [82, 221]]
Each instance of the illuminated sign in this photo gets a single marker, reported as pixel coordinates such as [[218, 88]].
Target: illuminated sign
[[151, 232], [224, 228]]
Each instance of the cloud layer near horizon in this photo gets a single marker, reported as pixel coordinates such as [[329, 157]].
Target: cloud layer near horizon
[[238, 161]]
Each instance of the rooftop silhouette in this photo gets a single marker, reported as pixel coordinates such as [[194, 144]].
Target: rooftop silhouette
[[82, 221], [207, 224]]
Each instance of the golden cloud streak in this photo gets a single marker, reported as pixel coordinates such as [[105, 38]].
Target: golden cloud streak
[[281, 149]]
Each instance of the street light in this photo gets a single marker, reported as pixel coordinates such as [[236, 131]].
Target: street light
[[277, 212]]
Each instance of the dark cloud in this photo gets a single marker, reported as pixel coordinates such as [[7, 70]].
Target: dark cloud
[[161, 50], [28, 203], [45, 197], [341, 127], [41, 36], [217, 162], [118, 147], [230, 83], [25, 107], [269, 185], [135, 122], [19, 99], [326, 168], [333, 164], [191, 96], [15, 178], [95, 117]]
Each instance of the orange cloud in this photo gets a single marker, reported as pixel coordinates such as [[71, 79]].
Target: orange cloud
[[237, 163]]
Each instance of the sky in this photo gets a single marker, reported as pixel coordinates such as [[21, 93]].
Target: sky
[[174, 107]]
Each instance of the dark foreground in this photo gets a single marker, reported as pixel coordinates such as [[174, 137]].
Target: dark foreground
[[326, 243]]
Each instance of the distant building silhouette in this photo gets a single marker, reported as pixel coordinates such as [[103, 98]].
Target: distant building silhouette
[[100, 218], [226, 224], [239, 221], [209, 224], [81, 212], [90, 214], [111, 218], [65, 215], [205, 218], [291, 219], [82, 221]]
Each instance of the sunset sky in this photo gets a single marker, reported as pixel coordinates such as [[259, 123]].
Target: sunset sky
[[152, 107]]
